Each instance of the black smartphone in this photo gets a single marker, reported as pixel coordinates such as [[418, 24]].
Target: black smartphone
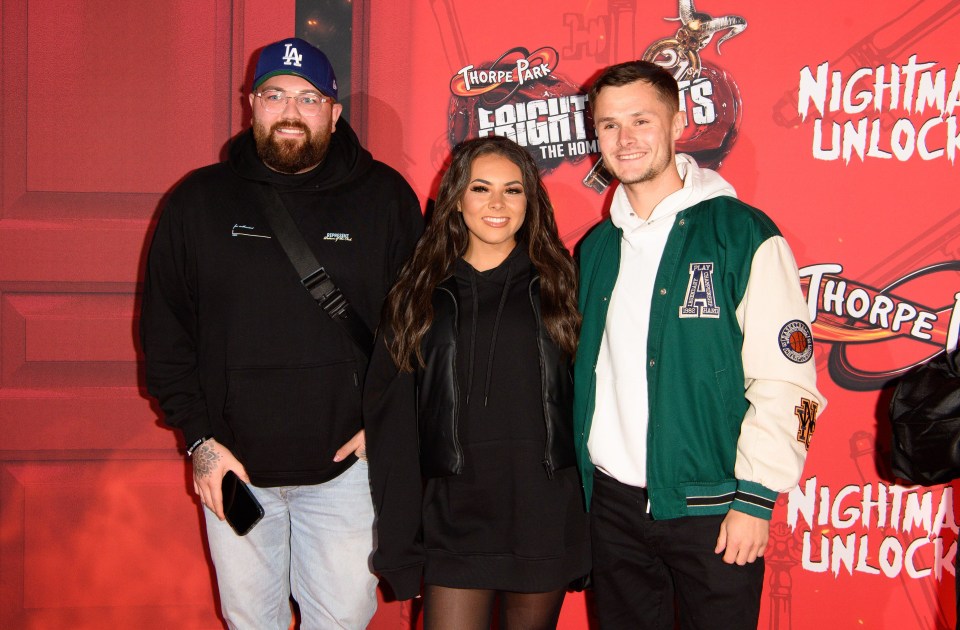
[[241, 508]]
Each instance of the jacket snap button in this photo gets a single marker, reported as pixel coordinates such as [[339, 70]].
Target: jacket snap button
[[652, 362], [663, 291], [682, 221]]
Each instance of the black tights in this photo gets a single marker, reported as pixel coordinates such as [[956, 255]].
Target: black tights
[[447, 608]]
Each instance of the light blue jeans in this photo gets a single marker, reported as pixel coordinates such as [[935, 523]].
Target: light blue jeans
[[314, 542]]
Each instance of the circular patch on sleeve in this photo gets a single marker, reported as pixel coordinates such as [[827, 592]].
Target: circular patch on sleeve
[[796, 342]]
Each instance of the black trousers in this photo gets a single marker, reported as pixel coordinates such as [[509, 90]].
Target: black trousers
[[645, 572]]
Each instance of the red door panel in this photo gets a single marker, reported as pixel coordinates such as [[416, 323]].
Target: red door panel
[[106, 105]]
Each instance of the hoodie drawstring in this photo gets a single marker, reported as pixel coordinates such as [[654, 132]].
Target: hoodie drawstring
[[475, 299], [496, 327]]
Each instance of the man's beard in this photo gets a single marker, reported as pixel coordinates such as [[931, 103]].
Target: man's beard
[[290, 156], [652, 172]]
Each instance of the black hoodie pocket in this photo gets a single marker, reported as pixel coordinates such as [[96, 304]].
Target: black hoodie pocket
[[292, 420]]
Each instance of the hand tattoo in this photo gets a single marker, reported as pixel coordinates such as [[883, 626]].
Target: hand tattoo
[[204, 460]]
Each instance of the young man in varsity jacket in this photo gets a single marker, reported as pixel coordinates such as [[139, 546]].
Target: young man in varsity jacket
[[695, 383]]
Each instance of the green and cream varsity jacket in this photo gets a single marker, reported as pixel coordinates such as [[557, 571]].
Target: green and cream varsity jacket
[[730, 378]]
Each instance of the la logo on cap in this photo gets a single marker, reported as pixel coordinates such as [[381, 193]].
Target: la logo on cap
[[290, 57]]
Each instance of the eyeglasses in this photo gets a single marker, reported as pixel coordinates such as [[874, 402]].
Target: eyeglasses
[[275, 101]]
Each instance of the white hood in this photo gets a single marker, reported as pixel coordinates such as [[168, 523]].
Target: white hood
[[699, 184]]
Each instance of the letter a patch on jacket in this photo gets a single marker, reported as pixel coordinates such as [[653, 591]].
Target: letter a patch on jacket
[[701, 301]]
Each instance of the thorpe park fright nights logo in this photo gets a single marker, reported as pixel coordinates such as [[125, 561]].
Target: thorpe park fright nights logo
[[520, 95], [892, 317], [879, 331]]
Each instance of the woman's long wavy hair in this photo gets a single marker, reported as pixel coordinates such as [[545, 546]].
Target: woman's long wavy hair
[[408, 312]]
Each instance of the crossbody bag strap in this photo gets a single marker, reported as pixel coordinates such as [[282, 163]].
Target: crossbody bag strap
[[312, 275]]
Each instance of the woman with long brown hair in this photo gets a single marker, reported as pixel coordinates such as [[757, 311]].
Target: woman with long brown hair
[[468, 404]]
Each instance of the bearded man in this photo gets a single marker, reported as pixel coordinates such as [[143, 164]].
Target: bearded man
[[259, 379]]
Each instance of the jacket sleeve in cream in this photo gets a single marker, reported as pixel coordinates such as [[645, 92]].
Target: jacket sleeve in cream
[[780, 377]]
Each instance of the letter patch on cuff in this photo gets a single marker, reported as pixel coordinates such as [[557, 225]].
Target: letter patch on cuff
[[796, 342], [806, 412]]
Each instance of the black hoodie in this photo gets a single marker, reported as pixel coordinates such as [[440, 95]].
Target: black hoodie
[[235, 346]]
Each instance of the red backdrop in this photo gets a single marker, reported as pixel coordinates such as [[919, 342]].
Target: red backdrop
[[839, 119]]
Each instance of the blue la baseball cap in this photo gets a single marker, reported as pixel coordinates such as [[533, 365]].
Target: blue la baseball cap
[[298, 57]]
